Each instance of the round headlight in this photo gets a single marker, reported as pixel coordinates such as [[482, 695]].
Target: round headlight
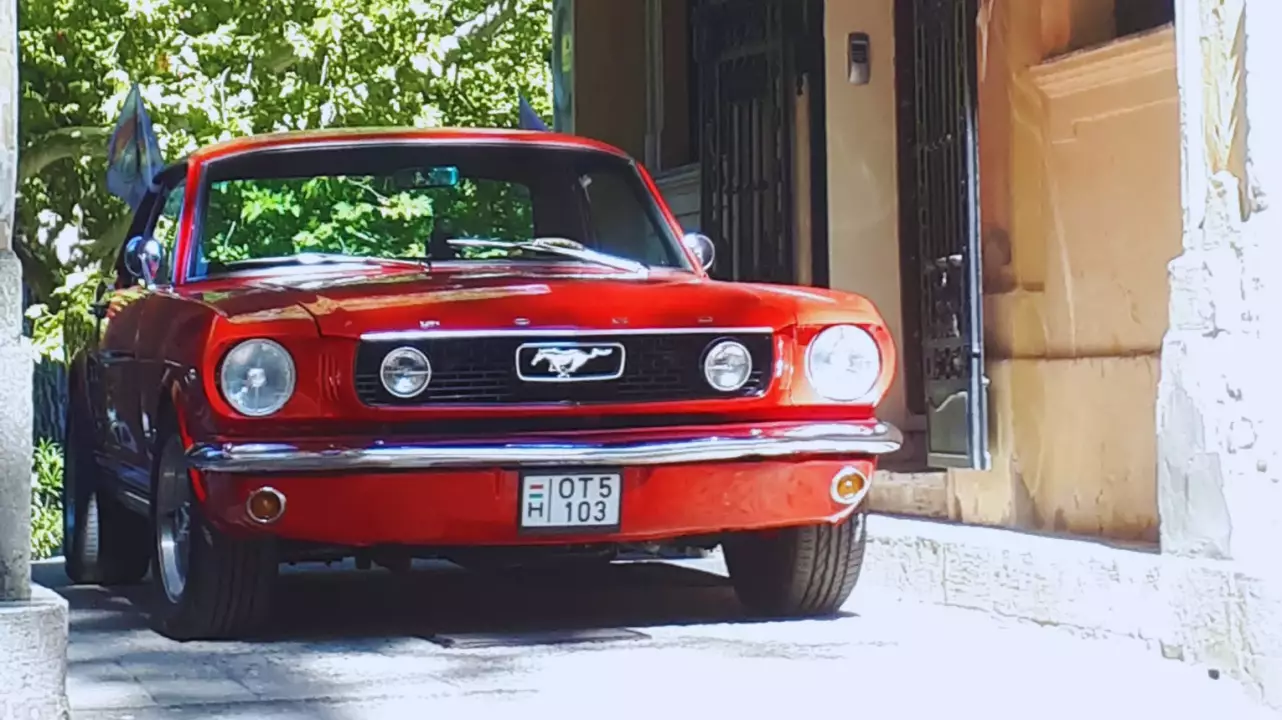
[[727, 366], [257, 377], [405, 372], [843, 363]]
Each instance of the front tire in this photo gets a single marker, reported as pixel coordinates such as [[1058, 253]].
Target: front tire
[[207, 585], [797, 572], [103, 542]]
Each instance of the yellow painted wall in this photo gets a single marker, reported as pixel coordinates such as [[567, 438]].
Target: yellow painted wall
[[1077, 302], [609, 72], [863, 190], [1079, 153]]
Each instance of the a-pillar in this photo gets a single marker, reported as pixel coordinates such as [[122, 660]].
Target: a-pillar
[[1219, 412], [33, 625]]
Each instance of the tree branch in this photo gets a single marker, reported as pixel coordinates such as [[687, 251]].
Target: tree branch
[[112, 238], [507, 11], [37, 270], [483, 33], [61, 144]]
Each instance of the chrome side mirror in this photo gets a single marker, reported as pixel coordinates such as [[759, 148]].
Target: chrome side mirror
[[143, 258], [702, 247]]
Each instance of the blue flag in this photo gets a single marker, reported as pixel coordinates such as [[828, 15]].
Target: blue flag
[[530, 120], [133, 154]]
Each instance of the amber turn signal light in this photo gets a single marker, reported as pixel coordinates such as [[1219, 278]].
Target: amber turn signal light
[[265, 506], [849, 486]]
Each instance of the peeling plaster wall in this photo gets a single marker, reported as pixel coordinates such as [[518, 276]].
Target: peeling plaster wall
[[1080, 208], [1219, 400], [1220, 471], [1080, 205]]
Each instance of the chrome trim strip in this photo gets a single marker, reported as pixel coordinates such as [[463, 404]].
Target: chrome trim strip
[[819, 440], [396, 335]]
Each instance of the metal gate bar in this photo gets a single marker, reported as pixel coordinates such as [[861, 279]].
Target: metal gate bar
[[744, 53], [945, 147]]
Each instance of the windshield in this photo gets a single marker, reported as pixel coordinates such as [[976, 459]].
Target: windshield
[[406, 202]]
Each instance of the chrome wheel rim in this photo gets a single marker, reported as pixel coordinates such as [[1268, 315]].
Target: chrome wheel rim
[[173, 522]]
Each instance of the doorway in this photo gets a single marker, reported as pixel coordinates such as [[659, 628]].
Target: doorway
[[752, 59], [936, 87]]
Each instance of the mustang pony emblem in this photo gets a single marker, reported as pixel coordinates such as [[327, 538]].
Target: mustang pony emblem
[[567, 361]]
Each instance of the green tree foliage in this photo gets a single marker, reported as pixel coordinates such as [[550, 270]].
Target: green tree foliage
[[215, 69], [56, 336], [364, 216], [46, 500]]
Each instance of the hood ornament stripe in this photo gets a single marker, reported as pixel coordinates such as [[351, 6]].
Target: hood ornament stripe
[[401, 335]]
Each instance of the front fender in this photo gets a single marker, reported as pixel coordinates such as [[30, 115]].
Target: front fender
[[178, 409]]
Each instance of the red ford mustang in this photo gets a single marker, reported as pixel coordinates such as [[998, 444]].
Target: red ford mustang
[[491, 347]]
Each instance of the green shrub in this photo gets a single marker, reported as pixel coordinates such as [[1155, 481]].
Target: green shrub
[[46, 501], [55, 336], [57, 333]]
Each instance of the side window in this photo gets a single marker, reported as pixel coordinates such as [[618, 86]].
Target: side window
[[621, 222], [165, 229], [142, 218]]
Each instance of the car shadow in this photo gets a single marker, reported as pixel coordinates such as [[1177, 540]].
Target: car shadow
[[439, 601]]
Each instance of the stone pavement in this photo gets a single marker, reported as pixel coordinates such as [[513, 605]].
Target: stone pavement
[[358, 645]]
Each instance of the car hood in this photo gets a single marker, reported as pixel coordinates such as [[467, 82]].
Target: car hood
[[504, 298]]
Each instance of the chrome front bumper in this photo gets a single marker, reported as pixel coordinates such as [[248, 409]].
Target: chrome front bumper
[[767, 442]]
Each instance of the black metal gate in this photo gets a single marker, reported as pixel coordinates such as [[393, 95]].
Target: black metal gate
[[745, 58], [941, 223]]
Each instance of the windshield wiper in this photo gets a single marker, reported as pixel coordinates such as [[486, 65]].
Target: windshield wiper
[[322, 258], [563, 247], [309, 258]]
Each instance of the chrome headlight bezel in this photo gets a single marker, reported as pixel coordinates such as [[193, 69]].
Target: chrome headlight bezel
[[863, 345], [230, 370], [709, 356], [413, 354]]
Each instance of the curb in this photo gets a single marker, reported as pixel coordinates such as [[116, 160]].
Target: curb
[[1216, 614], [33, 657]]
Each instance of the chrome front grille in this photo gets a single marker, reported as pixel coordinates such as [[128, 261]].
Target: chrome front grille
[[658, 367]]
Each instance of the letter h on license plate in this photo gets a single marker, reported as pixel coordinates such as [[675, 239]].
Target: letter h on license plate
[[570, 501]]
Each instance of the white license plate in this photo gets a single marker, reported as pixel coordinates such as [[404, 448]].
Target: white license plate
[[570, 500]]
